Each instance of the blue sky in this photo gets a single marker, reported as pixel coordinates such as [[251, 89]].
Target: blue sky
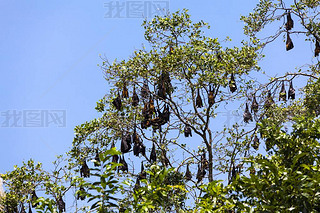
[[49, 51]]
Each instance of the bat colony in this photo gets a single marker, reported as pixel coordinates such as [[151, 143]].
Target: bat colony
[[155, 118]]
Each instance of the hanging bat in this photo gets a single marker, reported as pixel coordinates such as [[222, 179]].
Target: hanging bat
[[34, 199], [153, 154], [200, 173], [126, 143], [161, 90], [166, 114], [269, 101], [289, 43], [283, 93], [289, 24], [199, 103], [143, 174], [291, 92], [211, 96], [142, 149], [151, 106], [187, 131], [117, 102], [136, 149], [135, 97], [232, 84], [254, 105], [115, 158], [135, 136], [145, 90], [204, 161], [61, 204], [317, 49], [188, 175], [97, 159], [84, 170], [124, 166], [256, 143], [125, 93], [247, 115], [81, 194]]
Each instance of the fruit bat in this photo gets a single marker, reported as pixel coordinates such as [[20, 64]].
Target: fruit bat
[[61, 204], [115, 158], [81, 193], [117, 102], [145, 123], [97, 159], [139, 148], [291, 92], [232, 84], [289, 24], [151, 106], [143, 174], [135, 98], [200, 173], [136, 149], [256, 143], [124, 166], [187, 131], [125, 93], [153, 154], [166, 114], [84, 170], [145, 90], [135, 136], [34, 199], [317, 49], [269, 101], [126, 143], [156, 122], [247, 115], [162, 90], [199, 103], [254, 105], [211, 96], [233, 172], [142, 149], [204, 162], [188, 175], [283, 93], [289, 44]]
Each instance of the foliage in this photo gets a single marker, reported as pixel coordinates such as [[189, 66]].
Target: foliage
[[174, 86]]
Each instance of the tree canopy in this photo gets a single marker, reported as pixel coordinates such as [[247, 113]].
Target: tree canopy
[[158, 145]]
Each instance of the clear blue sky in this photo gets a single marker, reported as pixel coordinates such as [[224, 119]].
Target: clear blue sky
[[49, 53]]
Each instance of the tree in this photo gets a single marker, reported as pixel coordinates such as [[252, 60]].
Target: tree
[[172, 90]]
